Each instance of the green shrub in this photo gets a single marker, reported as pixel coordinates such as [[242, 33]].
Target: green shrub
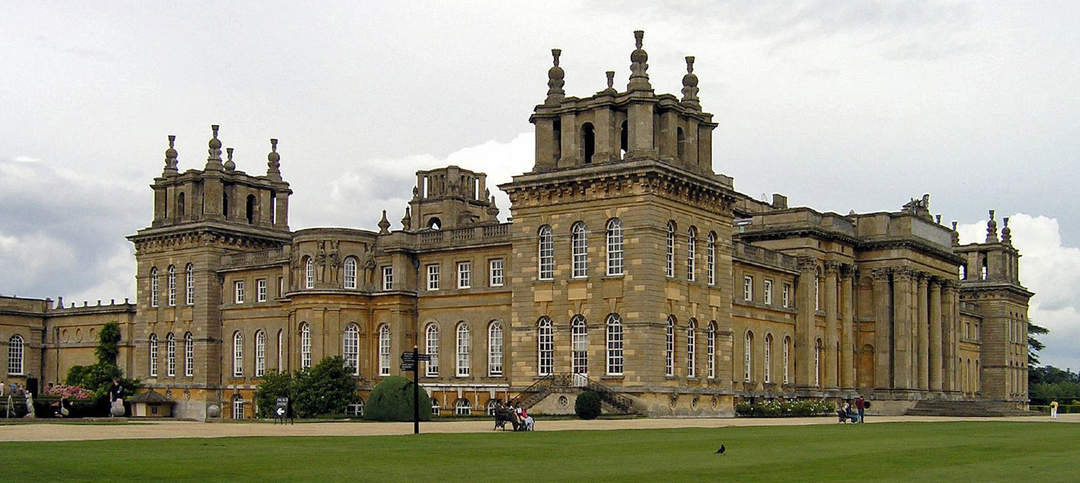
[[587, 405], [272, 386], [323, 390], [777, 408], [392, 400]]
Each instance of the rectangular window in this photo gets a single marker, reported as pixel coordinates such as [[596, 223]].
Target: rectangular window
[[387, 278], [239, 284], [768, 292], [786, 295], [260, 290], [464, 274], [748, 288], [495, 272], [433, 276]]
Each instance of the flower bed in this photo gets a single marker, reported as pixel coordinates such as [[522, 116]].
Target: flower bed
[[777, 408]]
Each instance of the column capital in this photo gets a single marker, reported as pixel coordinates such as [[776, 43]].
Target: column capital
[[922, 277], [832, 267], [904, 274], [881, 274], [936, 281], [950, 285], [807, 264]]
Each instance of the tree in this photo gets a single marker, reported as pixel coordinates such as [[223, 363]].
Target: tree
[[392, 400], [324, 389], [587, 405], [97, 377], [272, 386], [1034, 345]]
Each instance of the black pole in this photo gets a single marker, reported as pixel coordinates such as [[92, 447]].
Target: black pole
[[416, 392]]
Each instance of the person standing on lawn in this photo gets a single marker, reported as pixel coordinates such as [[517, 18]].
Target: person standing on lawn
[[1053, 409], [860, 405]]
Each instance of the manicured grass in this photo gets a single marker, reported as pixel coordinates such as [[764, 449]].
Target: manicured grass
[[945, 452]]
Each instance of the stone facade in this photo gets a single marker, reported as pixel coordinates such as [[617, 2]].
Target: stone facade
[[629, 263]]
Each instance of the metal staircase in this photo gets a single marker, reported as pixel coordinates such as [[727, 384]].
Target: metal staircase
[[544, 386]]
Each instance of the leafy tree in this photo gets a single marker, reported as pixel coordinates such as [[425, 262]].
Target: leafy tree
[[108, 343], [273, 385], [392, 400], [324, 389], [1034, 345], [97, 377], [587, 405]]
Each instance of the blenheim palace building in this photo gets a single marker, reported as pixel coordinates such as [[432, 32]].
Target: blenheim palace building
[[629, 266]]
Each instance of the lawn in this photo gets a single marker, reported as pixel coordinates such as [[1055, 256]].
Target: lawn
[[956, 451]]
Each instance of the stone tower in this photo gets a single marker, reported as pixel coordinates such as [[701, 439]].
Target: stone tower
[[200, 216], [448, 198]]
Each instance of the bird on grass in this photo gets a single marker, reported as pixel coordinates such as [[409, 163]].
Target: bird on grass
[[721, 450]]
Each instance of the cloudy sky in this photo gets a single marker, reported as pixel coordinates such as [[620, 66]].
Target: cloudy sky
[[839, 105]]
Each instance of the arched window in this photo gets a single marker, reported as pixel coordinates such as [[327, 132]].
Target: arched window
[[579, 345], [238, 407], [546, 253], [305, 345], [767, 359], [280, 349], [170, 355], [691, 349], [464, 355], [170, 286], [495, 348], [588, 141], [669, 261], [963, 271], [669, 347], [153, 353], [180, 206], [545, 347], [431, 347], [384, 350], [435, 407], [189, 355], [624, 138], [434, 223], [350, 273], [153, 287], [710, 350], [355, 408], [250, 209], [614, 345], [710, 259], [691, 252], [787, 358], [614, 247], [491, 405], [351, 349], [189, 284], [462, 407], [238, 354], [579, 250], [15, 355], [260, 354], [748, 347], [556, 131], [817, 362], [225, 204], [680, 139], [309, 273]]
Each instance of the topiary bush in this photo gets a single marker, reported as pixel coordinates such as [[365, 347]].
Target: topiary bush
[[392, 400], [587, 405]]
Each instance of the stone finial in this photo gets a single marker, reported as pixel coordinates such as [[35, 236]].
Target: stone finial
[[991, 229], [938, 218], [384, 224], [170, 157], [273, 162], [1006, 232], [406, 221], [213, 162], [229, 164], [610, 89], [493, 210], [639, 78], [955, 235], [690, 85], [556, 74]]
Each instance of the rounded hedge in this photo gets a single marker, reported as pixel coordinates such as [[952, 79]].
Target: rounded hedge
[[587, 405], [392, 400]]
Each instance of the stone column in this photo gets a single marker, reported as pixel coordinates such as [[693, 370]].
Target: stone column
[[923, 333], [902, 295], [832, 269], [804, 321], [935, 335], [948, 297], [848, 337], [882, 328]]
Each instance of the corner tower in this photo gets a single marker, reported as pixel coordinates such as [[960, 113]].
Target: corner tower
[[448, 198]]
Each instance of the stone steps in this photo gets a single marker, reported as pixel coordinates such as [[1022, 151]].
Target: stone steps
[[966, 409]]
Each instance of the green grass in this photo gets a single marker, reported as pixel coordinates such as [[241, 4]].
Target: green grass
[[945, 452]]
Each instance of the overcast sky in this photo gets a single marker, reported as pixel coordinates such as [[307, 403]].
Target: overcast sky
[[839, 105]]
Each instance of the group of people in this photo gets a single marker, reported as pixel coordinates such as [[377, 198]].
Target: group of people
[[853, 414], [514, 414]]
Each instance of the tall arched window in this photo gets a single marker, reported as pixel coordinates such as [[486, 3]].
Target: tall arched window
[[350, 273], [305, 345], [15, 355], [545, 347], [495, 348], [767, 359], [614, 247], [249, 210], [153, 353], [238, 407], [680, 139], [189, 355], [588, 141], [351, 349], [462, 407], [309, 273], [546, 253], [170, 355], [170, 286], [579, 345], [710, 259], [579, 250], [787, 358], [260, 354], [691, 252], [280, 349], [669, 346], [153, 287], [189, 284], [431, 347], [817, 363], [180, 206], [691, 349], [384, 350], [464, 353], [710, 350], [614, 345], [669, 262], [748, 348], [238, 354]]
